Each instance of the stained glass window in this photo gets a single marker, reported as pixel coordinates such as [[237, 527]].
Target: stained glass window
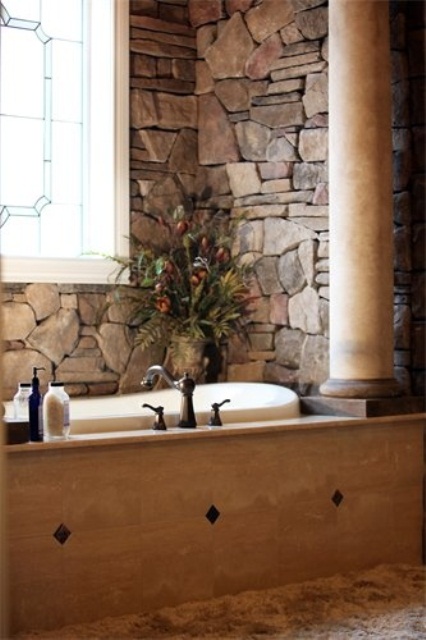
[[58, 64]]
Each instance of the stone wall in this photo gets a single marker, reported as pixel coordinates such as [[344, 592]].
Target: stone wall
[[66, 330], [261, 82], [408, 81], [229, 106], [258, 147]]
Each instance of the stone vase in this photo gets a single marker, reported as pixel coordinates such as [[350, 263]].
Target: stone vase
[[188, 355]]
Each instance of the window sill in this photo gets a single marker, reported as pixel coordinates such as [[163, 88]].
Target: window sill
[[91, 270]]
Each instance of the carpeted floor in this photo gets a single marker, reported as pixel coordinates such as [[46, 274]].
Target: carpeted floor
[[384, 603]]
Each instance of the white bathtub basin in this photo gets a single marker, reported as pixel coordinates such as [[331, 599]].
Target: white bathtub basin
[[249, 402]]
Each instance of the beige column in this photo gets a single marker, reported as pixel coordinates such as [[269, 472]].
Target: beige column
[[361, 221], [4, 594]]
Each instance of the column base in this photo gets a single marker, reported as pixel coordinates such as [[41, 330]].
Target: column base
[[362, 407], [380, 388]]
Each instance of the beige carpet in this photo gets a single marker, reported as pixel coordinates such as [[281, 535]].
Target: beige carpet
[[385, 603]]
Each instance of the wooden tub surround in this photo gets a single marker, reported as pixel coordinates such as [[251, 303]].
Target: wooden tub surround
[[110, 524]]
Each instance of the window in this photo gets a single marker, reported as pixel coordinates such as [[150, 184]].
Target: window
[[63, 139]]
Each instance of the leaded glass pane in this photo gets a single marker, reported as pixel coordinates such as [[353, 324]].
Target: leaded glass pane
[[60, 231], [20, 236], [66, 163], [62, 19], [23, 9], [41, 147], [22, 76], [66, 81], [21, 161]]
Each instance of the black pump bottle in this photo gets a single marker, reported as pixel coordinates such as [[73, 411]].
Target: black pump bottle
[[35, 404]]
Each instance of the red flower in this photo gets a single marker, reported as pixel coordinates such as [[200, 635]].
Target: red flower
[[163, 304], [222, 255], [182, 227]]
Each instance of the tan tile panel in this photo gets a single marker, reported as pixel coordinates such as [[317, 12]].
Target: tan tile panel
[[102, 574], [177, 563], [246, 474], [404, 447], [176, 481], [308, 465], [102, 487], [364, 523], [36, 583], [308, 537], [235, 474], [245, 551], [407, 505], [378, 456], [140, 538], [34, 495], [363, 458]]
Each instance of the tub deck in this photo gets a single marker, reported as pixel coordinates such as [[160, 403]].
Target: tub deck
[[121, 522]]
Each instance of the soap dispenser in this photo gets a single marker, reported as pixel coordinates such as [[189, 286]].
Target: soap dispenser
[[35, 404]]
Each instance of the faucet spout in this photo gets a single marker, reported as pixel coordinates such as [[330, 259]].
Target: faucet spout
[[157, 371]]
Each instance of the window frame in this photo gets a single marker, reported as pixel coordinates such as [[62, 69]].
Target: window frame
[[94, 269]]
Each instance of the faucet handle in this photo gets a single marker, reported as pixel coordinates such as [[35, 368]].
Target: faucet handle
[[159, 423], [186, 384], [215, 420]]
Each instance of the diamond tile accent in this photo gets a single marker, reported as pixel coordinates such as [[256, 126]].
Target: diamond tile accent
[[62, 534], [337, 497], [212, 514]]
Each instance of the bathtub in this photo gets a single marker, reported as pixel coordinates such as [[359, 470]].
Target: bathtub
[[248, 402], [149, 519]]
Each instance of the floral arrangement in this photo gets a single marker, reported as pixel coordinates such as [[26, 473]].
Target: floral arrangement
[[184, 279]]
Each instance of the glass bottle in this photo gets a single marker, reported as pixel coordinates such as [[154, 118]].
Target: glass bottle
[[35, 404], [56, 413], [20, 401]]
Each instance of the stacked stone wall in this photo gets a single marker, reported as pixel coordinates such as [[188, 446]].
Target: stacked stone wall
[[257, 148], [229, 105], [74, 334], [408, 84], [416, 39]]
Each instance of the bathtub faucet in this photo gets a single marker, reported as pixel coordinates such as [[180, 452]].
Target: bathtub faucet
[[157, 371], [185, 385]]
